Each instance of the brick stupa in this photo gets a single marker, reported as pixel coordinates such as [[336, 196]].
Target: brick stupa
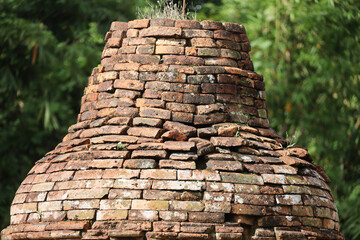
[[173, 142]]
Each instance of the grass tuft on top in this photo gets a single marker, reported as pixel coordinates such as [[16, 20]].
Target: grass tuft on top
[[164, 9]]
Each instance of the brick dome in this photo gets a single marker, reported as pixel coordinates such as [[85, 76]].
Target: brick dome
[[173, 142]]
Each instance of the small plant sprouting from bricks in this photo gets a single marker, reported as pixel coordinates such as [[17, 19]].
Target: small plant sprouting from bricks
[[121, 147], [39, 212], [237, 134], [165, 9], [291, 141]]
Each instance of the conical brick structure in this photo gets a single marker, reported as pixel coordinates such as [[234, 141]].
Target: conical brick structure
[[173, 142]]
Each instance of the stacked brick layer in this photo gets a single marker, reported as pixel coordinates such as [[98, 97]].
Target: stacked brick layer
[[173, 142]]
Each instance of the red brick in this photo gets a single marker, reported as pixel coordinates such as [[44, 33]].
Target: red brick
[[145, 132], [180, 107], [127, 112], [228, 44], [152, 122], [158, 85], [171, 77], [213, 25], [131, 33], [174, 135], [195, 33], [144, 102], [192, 24], [208, 52], [234, 27], [199, 98], [149, 154], [172, 96], [126, 66], [142, 41], [120, 173], [182, 117], [143, 59], [139, 23], [169, 50], [116, 25], [158, 174], [180, 127], [218, 88], [113, 42], [223, 34], [88, 174], [179, 146], [203, 42], [228, 53], [111, 214], [162, 22], [191, 51], [177, 164], [220, 61], [155, 113], [160, 32], [206, 217], [139, 163], [210, 118], [106, 86], [171, 42]]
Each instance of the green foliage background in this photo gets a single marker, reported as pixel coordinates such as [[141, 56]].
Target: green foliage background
[[307, 50]]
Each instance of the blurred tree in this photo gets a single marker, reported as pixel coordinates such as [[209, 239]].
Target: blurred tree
[[47, 51], [308, 52]]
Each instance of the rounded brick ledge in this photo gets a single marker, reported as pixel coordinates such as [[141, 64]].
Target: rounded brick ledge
[[173, 142]]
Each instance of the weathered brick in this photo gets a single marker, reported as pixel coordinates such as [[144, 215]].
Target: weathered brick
[[183, 60], [288, 199], [156, 31], [23, 208], [241, 178], [228, 53], [47, 186], [210, 118], [187, 156], [141, 41], [88, 174], [150, 204], [224, 165], [169, 50], [181, 87], [173, 215], [227, 141], [199, 98], [191, 206], [111, 214], [155, 113], [179, 146], [208, 52], [132, 184], [80, 214], [145, 49], [206, 217], [158, 85], [113, 42], [158, 174], [180, 127], [131, 33], [120, 173], [177, 164], [124, 194], [195, 33], [129, 84], [179, 185], [139, 163], [180, 107], [162, 22], [223, 34], [81, 204], [220, 61], [149, 154], [220, 207], [182, 117], [106, 204], [254, 199], [143, 59], [302, 211], [145, 132], [147, 215], [171, 42], [213, 25], [172, 96], [203, 42], [172, 76], [139, 23], [161, 195]]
